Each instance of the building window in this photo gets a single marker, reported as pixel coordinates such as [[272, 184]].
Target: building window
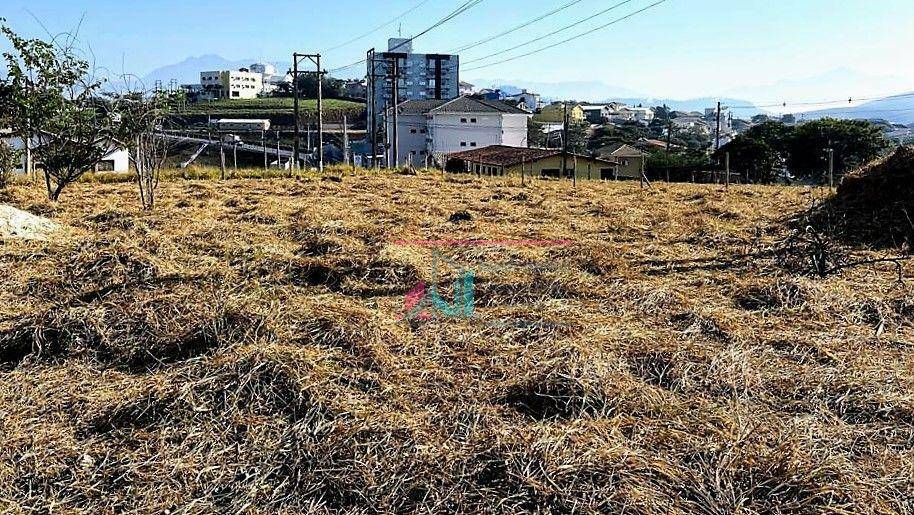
[[472, 120], [463, 120], [412, 131], [463, 143], [472, 143]]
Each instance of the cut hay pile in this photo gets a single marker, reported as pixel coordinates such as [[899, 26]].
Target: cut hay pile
[[242, 349], [875, 205]]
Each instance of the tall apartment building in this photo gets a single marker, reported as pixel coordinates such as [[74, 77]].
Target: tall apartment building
[[421, 76], [231, 84]]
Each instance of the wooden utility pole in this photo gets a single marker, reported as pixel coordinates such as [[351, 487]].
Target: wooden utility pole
[[727, 171], [263, 142], [564, 140], [345, 141], [222, 159], [316, 60], [717, 132]]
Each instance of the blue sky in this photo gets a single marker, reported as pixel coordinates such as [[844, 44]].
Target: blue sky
[[762, 50]]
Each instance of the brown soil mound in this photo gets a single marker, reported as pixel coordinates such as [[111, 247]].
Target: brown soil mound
[[875, 205]]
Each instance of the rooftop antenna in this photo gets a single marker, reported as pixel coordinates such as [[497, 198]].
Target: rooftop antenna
[[400, 30]]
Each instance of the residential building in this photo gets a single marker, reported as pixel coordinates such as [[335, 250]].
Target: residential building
[[116, 158], [532, 101], [623, 114], [503, 160], [489, 94], [595, 113], [234, 85], [629, 160], [427, 130], [691, 122], [421, 76], [355, 89], [555, 113]]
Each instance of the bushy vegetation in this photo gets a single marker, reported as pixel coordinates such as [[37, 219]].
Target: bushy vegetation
[[766, 150], [270, 106], [10, 160]]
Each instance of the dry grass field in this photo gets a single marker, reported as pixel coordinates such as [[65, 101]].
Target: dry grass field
[[242, 348]]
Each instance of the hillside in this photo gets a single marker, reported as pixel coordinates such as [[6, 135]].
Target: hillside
[[243, 348], [279, 110]]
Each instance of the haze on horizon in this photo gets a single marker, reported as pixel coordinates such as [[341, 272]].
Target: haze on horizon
[[759, 50]]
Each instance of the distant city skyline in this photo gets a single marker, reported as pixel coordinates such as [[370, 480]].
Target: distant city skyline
[[762, 51]]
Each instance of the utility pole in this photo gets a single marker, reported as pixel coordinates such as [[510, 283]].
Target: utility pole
[[316, 60], [564, 139], [345, 141], [222, 158], [727, 171], [320, 114], [717, 133], [296, 142], [263, 142], [396, 97], [373, 118]]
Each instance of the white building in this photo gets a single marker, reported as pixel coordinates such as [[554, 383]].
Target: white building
[[531, 101], [117, 158], [226, 84], [427, 130]]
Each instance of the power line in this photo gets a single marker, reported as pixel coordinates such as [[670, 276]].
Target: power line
[[849, 100], [464, 7], [516, 28], [568, 40], [379, 27], [566, 27]]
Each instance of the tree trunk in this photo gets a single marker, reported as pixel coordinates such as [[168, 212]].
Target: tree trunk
[[47, 184]]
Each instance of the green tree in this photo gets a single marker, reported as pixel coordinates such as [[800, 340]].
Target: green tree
[[9, 161], [759, 153], [535, 136], [855, 142], [330, 87], [52, 101]]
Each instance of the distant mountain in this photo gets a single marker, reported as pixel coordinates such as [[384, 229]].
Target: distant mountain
[[694, 104], [899, 109], [577, 90], [188, 70], [831, 84], [601, 92]]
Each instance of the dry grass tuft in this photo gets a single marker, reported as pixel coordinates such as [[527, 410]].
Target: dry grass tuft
[[243, 348]]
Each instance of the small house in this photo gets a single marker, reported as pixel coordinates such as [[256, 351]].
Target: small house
[[501, 160]]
